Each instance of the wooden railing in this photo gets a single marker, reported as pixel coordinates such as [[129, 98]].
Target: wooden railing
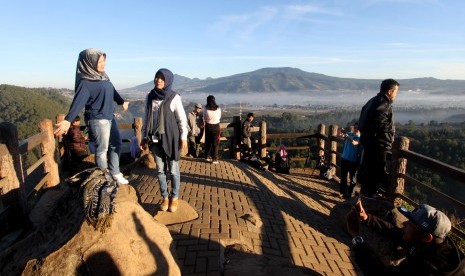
[[328, 143], [13, 175]]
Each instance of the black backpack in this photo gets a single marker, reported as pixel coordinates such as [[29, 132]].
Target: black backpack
[[324, 168], [282, 165]]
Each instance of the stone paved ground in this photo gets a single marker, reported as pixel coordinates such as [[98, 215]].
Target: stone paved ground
[[234, 199]]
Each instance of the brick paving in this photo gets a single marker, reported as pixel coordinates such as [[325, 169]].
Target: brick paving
[[293, 209]]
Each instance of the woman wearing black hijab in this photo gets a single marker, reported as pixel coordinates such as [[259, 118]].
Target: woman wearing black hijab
[[165, 126]]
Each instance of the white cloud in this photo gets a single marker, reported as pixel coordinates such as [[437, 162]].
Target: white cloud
[[293, 11], [419, 2], [244, 25]]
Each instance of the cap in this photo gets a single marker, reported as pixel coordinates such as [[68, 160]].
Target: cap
[[198, 105], [430, 219]]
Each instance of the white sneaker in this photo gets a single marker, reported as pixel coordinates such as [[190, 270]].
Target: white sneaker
[[120, 179]]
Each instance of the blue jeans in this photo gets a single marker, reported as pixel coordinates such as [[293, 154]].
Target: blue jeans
[[172, 165], [107, 140]]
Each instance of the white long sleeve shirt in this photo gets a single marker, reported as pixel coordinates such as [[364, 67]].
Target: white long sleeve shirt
[[212, 116], [176, 107]]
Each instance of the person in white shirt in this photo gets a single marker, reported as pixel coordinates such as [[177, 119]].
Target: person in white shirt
[[212, 116], [165, 128]]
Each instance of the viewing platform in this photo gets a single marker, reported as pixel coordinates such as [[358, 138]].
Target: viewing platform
[[283, 217], [285, 221]]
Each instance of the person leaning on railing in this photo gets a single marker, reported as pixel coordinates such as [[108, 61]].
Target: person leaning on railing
[[349, 161], [424, 236], [75, 145]]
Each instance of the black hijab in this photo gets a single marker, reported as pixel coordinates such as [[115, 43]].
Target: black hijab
[[166, 92]]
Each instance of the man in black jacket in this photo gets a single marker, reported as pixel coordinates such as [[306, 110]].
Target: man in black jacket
[[429, 250], [377, 134]]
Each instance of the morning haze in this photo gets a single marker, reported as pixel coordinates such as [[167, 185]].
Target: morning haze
[[420, 99]]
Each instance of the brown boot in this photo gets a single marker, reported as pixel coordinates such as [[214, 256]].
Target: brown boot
[[173, 205], [164, 204]]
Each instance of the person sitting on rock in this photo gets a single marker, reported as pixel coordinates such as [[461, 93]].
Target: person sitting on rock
[[75, 144], [424, 236]]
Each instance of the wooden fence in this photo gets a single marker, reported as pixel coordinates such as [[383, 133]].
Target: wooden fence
[[13, 185], [328, 144], [13, 174]]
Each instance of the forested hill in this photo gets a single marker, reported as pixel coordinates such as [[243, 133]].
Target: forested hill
[[25, 107]]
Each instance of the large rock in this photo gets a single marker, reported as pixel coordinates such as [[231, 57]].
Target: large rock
[[65, 244]]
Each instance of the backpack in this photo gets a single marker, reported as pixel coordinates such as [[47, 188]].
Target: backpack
[[283, 165], [324, 168]]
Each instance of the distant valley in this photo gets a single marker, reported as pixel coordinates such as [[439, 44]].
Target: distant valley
[[286, 79], [267, 88]]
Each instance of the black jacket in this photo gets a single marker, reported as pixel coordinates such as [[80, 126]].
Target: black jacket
[[376, 123], [427, 259]]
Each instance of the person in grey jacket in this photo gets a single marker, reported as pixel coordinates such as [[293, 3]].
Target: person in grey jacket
[[195, 126]]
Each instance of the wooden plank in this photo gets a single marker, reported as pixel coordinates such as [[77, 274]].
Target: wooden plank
[[226, 125], [455, 230], [407, 199], [35, 165], [28, 144], [460, 233], [288, 135], [338, 139], [295, 159], [124, 126], [435, 192], [289, 148], [40, 184], [435, 165]]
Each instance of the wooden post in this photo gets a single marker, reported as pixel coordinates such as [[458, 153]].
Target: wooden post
[[398, 167], [48, 149], [321, 139], [262, 139], [61, 148], [332, 148], [10, 165], [138, 128], [236, 141]]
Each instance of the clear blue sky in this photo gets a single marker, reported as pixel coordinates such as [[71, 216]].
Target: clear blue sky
[[376, 39]]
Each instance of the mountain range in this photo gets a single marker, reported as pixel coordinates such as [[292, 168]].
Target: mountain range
[[287, 79]]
